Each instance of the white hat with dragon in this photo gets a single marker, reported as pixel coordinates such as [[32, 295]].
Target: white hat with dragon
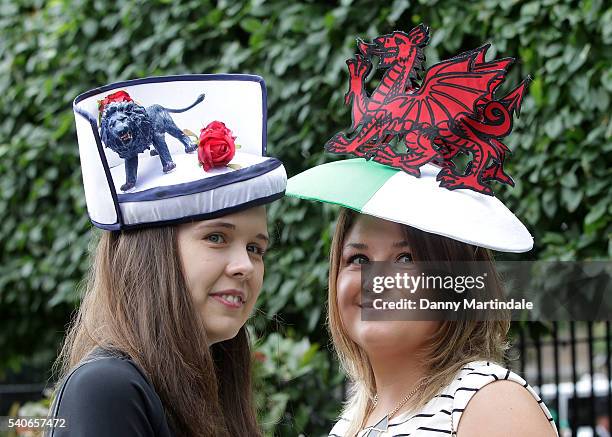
[[406, 137]]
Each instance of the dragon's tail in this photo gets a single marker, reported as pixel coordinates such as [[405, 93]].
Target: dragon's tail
[[198, 100], [495, 117], [513, 100]]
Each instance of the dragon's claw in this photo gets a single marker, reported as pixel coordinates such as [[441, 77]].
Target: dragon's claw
[[398, 162], [447, 181], [335, 148], [338, 144], [414, 171], [471, 182], [495, 172], [445, 173], [450, 183], [358, 66]]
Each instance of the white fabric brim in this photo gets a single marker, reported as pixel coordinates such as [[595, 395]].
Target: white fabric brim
[[216, 201], [463, 215]]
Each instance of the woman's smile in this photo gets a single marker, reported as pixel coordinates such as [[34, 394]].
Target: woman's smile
[[230, 298]]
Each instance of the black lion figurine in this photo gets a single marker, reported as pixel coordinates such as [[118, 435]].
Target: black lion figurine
[[129, 129]]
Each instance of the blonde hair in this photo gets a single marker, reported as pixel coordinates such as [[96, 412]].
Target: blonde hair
[[453, 345]]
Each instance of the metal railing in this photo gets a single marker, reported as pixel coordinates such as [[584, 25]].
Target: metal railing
[[569, 364]]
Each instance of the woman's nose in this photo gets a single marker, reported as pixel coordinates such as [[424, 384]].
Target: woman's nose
[[240, 265]]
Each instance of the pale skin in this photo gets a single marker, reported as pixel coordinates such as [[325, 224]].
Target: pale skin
[[500, 409], [223, 266]]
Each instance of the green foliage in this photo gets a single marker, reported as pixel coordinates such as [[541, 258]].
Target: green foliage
[[286, 370], [52, 50]]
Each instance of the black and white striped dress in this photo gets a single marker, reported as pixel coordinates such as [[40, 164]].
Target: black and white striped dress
[[441, 415]]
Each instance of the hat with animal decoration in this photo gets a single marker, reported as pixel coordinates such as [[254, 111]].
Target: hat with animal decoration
[[407, 135], [164, 150]]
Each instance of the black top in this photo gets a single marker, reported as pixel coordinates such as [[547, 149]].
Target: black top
[[108, 395]]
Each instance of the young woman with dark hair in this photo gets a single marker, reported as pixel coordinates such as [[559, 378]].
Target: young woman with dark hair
[[159, 345], [162, 321]]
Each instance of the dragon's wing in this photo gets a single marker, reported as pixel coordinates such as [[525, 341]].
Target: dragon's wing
[[452, 87], [502, 65]]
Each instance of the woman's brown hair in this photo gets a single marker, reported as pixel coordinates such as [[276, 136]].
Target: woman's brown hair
[[453, 345], [136, 302]]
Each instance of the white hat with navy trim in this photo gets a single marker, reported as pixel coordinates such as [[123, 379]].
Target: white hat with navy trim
[[171, 149]]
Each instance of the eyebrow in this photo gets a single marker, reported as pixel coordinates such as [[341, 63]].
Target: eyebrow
[[402, 243], [229, 226], [356, 245], [262, 237], [217, 225]]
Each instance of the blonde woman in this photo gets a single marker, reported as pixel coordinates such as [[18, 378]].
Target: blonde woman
[[159, 346], [408, 201], [426, 378]]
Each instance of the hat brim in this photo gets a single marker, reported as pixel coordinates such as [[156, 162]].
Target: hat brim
[[259, 180], [391, 194]]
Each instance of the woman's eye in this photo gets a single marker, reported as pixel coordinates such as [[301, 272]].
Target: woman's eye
[[404, 258], [215, 238], [256, 249], [358, 259]]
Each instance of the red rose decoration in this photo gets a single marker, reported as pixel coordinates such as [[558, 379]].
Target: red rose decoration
[[216, 145], [119, 96]]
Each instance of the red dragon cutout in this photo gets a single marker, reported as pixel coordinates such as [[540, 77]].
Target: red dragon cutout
[[452, 111]]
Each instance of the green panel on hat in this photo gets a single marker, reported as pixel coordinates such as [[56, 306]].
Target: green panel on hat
[[350, 183]]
